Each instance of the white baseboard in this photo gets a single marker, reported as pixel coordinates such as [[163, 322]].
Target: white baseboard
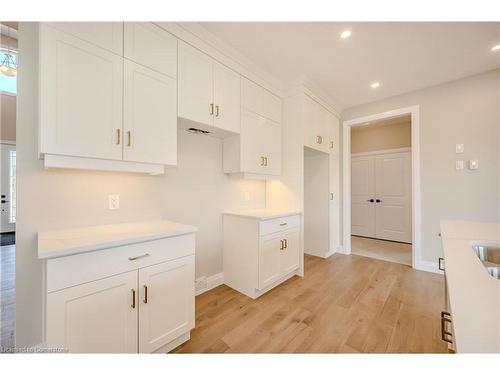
[[427, 266], [212, 282]]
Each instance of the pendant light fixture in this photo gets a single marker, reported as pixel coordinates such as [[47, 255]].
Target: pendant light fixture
[[8, 65]]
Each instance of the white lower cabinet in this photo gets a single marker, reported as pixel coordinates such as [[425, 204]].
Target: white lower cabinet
[[260, 253], [166, 302], [95, 317], [146, 309]]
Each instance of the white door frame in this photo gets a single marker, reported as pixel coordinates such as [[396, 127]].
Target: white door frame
[[414, 111]]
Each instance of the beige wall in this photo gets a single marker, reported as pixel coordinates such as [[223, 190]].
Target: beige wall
[[381, 136], [196, 192], [464, 111], [7, 117]]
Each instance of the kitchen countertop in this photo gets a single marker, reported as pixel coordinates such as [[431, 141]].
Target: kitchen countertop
[[53, 244], [474, 295], [262, 213]]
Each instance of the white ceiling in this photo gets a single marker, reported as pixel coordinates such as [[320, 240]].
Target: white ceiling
[[403, 57]]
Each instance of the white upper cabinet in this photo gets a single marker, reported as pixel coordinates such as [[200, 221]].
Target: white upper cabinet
[[209, 93], [317, 122], [150, 116], [107, 35], [195, 85], [256, 99], [226, 98], [80, 97], [148, 45]]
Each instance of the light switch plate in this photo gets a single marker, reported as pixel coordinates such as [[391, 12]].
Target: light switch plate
[[459, 165], [459, 148], [473, 164], [114, 201]]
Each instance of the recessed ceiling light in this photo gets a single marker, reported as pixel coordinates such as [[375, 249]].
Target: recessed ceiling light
[[496, 48], [374, 85], [345, 34]]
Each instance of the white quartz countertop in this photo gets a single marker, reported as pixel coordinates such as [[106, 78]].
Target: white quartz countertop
[[474, 295], [262, 213], [53, 244]]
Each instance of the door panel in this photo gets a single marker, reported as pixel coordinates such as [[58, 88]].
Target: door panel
[[95, 317], [168, 310], [271, 147], [269, 259], [227, 99], [7, 186], [150, 116], [252, 149], [195, 85], [362, 190], [81, 97], [151, 46], [251, 96], [107, 35], [393, 189], [290, 255]]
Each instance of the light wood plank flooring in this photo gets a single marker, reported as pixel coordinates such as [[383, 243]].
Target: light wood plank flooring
[[344, 304], [7, 296], [384, 250]]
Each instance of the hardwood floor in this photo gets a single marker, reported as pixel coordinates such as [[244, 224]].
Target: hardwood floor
[[384, 250], [344, 304], [7, 296]]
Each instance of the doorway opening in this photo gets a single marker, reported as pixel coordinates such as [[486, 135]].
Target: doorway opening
[[8, 98], [381, 186]]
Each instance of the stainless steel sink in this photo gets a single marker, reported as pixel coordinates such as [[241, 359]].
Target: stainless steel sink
[[490, 256]]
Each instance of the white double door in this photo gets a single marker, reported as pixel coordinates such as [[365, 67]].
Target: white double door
[[381, 196]]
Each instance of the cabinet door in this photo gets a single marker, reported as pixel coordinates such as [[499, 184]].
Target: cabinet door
[[333, 134], [252, 147], [323, 129], [95, 317], [271, 148], [195, 85], [251, 96], [80, 97], [334, 219], [166, 302], [269, 259], [310, 121], [150, 119], [148, 45], [227, 101], [290, 254], [272, 106], [107, 35]]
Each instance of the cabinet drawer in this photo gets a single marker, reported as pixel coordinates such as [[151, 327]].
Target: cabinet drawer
[[81, 268], [279, 224]]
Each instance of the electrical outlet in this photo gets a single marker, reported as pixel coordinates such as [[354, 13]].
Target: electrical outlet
[[114, 201], [473, 164], [459, 165]]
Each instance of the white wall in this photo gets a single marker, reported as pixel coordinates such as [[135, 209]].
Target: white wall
[[7, 117], [196, 192], [464, 111]]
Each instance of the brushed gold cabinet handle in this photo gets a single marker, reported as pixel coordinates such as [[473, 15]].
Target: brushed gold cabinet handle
[[129, 138], [319, 139], [282, 224], [217, 111], [138, 256], [211, 108], [118, 136], [282, 245], [445, 318], [145, 300], [286, 243], [331, 196], [262, 163], [331, 144], [265, 161], [133, 298]]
